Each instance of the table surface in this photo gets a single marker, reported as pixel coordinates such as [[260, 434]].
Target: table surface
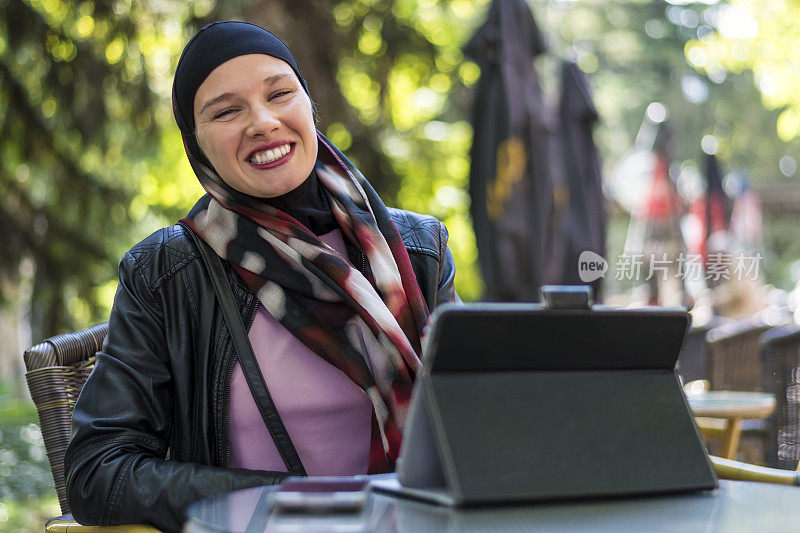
[[735, 506], [731, 404]]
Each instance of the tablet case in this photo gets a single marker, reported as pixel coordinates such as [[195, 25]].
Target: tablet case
[[517, 403]]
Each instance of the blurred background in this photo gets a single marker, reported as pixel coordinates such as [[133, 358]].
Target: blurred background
[[692, 108]]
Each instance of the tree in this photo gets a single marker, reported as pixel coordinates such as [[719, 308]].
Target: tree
[[76, 113], [760, 37]]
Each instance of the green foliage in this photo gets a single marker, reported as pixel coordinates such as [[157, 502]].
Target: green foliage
[[760, 37], [27, 496], [635, 53], [677, 53], [28, 516], [74, 99]]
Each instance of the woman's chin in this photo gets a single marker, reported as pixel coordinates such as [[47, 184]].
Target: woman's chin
[[275, 187]]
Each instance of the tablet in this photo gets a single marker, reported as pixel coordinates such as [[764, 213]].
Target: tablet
[[519, 402]]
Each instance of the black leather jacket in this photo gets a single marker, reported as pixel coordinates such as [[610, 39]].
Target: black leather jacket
[[150, 429]]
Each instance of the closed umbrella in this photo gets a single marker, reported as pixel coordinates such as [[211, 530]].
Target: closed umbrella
[[585, 217], [510, 183]]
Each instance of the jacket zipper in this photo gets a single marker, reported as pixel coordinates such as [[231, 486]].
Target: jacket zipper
[[226, 386]]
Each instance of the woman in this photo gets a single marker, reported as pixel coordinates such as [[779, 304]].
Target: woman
[[334, 289]]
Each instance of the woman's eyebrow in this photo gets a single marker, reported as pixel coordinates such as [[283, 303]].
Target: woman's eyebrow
[[275, 77], [216, 100]]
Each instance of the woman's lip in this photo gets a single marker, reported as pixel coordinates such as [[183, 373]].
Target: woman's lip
[[275, 162], [269, 146]]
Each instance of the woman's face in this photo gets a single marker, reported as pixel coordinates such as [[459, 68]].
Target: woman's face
[[255, 124]]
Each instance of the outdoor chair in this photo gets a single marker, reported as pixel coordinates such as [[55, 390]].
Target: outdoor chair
[[734, 360], [780, 357], [57, 368], [734, 364]]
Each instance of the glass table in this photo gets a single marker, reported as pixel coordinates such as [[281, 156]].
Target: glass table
[[735, 506]]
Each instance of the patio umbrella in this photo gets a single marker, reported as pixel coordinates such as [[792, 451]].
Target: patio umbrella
[[654, 232], [510, 183], [661, 205], [712, 210], [585, 217], [718, 205], [746, 220]]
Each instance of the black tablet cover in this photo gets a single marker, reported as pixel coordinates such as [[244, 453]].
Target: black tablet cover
[[518, 403]]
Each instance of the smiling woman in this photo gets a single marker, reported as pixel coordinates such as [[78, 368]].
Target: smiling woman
[[332, 288], [255, 124]]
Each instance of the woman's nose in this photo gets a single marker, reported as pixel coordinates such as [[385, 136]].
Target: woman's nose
[[262, 121]]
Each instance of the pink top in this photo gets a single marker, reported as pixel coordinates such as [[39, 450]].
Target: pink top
[[327, 416]]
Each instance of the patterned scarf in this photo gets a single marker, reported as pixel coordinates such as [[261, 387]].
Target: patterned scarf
[[319, 296]]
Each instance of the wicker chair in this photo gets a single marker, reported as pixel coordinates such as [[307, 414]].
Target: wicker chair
[[56, 371], [780, 356], [734, 361], [693, 361]]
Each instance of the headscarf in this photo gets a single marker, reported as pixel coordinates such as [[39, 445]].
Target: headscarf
[[368, 324]]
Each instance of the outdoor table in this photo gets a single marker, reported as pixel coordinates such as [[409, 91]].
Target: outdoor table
[[733, 407], [735, 506]]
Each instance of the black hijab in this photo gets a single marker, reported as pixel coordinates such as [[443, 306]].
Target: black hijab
[[212, 46]]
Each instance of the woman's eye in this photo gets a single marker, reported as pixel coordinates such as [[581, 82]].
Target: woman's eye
[[279, 94], [224, 113]]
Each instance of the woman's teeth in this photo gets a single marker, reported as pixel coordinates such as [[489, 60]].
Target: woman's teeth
[[259, 158]]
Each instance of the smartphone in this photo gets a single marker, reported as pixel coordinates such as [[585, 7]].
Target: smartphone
[[320, 495]]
